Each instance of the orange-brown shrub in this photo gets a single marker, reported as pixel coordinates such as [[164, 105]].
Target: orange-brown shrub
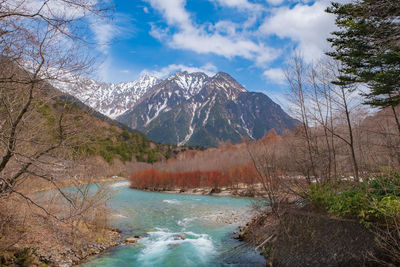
[[152, 179]]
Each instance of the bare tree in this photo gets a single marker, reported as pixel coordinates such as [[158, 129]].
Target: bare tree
[[322, 105], [296, 76], [40, 43], [342, 99], [265, 157], [326, 114]]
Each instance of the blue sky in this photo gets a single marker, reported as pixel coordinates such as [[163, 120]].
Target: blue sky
[[251, 40]]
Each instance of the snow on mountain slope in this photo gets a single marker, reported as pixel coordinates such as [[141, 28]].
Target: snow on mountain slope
[[109, 99], [195, 109], [189, 83], [185, 108]]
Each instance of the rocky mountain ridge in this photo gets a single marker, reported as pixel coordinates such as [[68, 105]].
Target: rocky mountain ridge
[[195, 109], [186, 108], [110, 99]]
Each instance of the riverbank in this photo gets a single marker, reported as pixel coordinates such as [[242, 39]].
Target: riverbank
[[52, 230], [73, 182], [39, 247], [70, 255], [255, 191], [302, 236]]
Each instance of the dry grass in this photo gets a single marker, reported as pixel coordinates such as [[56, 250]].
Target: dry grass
[[55, 225]]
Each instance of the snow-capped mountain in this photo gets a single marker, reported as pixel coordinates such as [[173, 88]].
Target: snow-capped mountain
[[185, 108], [110, 99], [195, 109]]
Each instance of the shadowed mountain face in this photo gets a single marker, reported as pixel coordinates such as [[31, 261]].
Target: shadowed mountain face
[[195, 109]]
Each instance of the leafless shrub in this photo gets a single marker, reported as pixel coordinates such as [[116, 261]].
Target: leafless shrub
[[387, 239]]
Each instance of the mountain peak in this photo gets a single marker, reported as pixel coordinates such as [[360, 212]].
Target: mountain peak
[[186, 74], [189, 83], [226, 81], [177, 75], [146, 76], [224, 76], [188, 108], [195, 109]]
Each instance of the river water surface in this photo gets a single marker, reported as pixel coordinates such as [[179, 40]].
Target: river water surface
[[206, 222]]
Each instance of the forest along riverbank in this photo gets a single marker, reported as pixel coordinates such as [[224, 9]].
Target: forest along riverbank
[[180, 229]]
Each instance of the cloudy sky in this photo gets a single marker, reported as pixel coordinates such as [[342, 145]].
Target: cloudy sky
[[249, 39]]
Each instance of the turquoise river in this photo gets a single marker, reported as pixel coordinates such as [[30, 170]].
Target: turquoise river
[[206, 222]]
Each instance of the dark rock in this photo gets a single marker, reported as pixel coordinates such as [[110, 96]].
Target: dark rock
[[179, 237], [130, 240]]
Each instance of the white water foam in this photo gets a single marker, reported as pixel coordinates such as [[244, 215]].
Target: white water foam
[[185, 221], [120, 184], [159, 244], [119, 216], [171, 201]]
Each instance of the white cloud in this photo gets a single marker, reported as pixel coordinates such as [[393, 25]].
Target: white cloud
[[103, 30], [239, 4], [103, 71], [104, 33], [208, 69], [275, 75], [223, 38], [218, 44], [158, 33], [173, 11], [308, 25], [224, 27]]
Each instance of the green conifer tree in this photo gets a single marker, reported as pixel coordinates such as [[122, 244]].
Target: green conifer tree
[[367, 43]]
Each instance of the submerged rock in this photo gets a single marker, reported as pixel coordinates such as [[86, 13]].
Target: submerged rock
[[173, 245], [130, 240]]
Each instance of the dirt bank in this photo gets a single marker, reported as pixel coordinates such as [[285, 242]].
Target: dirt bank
[[302, 237]]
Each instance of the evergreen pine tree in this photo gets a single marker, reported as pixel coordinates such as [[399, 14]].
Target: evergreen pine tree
[[367, 44]]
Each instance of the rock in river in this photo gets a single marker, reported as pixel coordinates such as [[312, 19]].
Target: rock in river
[[130, 240]]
